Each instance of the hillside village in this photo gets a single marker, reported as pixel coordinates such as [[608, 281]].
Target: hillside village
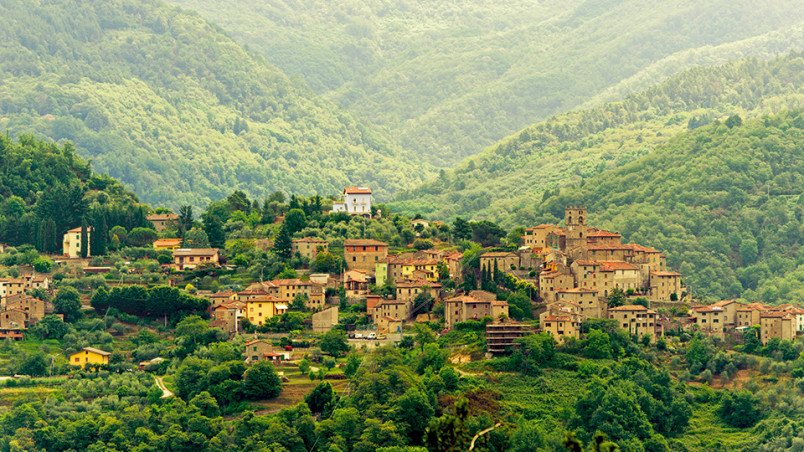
[[570, 273]]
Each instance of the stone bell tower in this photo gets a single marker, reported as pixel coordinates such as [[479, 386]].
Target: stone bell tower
[[575, 219]]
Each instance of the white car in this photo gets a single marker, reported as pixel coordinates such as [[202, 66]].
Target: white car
[[371, 336]]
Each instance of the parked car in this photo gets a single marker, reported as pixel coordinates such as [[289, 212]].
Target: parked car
[[371, 336]]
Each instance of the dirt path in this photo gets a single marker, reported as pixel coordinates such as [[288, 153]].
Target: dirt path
[[161, 385]]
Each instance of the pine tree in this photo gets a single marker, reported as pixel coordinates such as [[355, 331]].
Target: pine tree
[[282, 244]]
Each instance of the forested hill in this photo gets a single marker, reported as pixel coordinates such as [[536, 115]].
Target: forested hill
[[506, 182], [168, 104], [46, 189], [451, 78], [725, 201]]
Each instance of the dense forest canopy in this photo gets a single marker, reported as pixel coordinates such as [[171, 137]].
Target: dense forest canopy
[[168, 104], [724, 200], [449, 78], [507, 181]]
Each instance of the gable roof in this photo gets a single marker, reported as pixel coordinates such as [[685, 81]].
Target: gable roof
[[95, 350]]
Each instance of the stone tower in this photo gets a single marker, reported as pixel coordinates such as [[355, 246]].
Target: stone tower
[[575, 219]]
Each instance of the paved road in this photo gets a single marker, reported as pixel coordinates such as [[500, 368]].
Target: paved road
[[161, 384]]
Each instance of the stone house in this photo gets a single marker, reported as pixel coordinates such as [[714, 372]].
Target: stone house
[[550, 282], [473, 306], [664, 284], [505, 261], [536, 238], [309, 247], [162, 220], [258, 350], [590, 305], [190, 258], [636, 320], [363, 254], [777, 324]]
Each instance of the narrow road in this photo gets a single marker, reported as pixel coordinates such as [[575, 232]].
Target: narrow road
[[161, 385]]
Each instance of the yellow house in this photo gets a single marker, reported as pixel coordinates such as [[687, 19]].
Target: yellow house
[[89, 355], [263, 308], [72, 242], [167, 244]]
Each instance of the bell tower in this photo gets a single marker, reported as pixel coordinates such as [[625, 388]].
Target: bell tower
[[575, 220]]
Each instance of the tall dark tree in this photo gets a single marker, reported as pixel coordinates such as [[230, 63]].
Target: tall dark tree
[[84, 238], [282, 244], [461, 229], [214, 229], [185, 219], [100, 237]]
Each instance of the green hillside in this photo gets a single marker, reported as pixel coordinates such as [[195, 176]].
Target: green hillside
[[506, 182], [448, 79], [725, 201], [168, 104]]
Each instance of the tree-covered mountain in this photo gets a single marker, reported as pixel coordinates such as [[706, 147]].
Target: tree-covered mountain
[[507, 181], [726, 201], [449, 78], [167, 103]]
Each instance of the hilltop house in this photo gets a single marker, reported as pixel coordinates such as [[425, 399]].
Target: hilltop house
[[356, 201], [89, 356], [189, 258], [72, 242], [167, 244], [161, 220]]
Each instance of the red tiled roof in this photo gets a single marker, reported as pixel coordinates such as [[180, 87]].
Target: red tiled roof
[[363, 242], [617, 265], [630, 307], [558, 318], [195, 252], [611, 247], [167, 242], [266, 299], [357, 191], [603, 234], [578, 290], [665, 273]]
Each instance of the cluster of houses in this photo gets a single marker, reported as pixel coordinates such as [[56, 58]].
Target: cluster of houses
[[580, 267], [18, 310], [785, 321]]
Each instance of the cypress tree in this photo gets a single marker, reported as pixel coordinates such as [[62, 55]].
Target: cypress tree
[[84, 238], [98, 243], [51, 243]]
